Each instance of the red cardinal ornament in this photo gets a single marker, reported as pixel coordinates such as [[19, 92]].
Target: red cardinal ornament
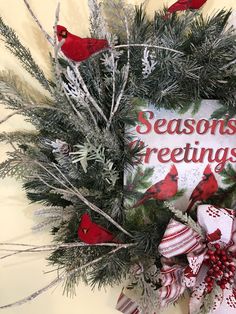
[[205, 188], [77, 48], [182, 5], [162, 190], [91, 233]]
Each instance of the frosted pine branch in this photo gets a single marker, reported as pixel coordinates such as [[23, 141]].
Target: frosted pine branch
[[186, 219], [84, 87], [71, 189], [97, 22], [148, 63], [209, 301], [73, 90], [126, 69]]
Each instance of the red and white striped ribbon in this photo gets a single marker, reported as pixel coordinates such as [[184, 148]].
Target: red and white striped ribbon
[[179, 239], [126, 305]]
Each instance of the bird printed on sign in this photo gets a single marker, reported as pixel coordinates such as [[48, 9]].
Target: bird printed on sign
[[162, 190], [205, 188], [182, 5], [79, 49], [92, 233]]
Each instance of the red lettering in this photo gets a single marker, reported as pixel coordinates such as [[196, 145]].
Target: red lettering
[[144, 121], [189, 124], [203, 123], [176, 152], [232, 126], [149, 151], [162, 153], [158, 124], [174, 126]]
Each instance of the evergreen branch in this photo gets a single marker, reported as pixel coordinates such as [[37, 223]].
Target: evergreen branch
[[92, 206], [13, 43], [186, 219], [75, 67], [114, 65], [59, 279], [77, 93], [228, 65], [209, 300], [47, 36], [77, 193], [126, 76], [57, 46]]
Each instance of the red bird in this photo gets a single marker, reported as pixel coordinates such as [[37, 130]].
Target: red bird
[[205, 188], [162, 190], [182, 5], [77, 48], [91, 233]]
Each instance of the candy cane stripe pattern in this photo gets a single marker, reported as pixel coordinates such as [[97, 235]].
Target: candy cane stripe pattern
[[126, 305], [179, 239], [170, 294]]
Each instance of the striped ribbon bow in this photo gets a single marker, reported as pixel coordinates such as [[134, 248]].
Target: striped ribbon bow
[[210, 263]]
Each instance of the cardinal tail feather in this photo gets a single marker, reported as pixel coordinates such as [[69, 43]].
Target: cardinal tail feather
[[190, 206]]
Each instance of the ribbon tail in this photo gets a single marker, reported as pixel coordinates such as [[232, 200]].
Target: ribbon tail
[[126, 305]]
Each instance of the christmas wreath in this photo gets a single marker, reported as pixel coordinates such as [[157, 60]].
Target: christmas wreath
[[74, 163]]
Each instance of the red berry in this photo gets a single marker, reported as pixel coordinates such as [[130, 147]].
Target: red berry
[[208, 279], [222, 286], [210, 252], [213, 258], [217, 246], [232, 268], [223, 252], [218, 252], [210, 272]]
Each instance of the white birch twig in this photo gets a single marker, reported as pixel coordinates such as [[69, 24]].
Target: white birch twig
[[52, 247], [86, 91], [148, 46], [74, 191], [57, 280], [126, 76], [48, 37]]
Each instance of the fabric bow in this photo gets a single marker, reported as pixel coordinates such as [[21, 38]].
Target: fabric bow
[[210, 261], [198, 263]]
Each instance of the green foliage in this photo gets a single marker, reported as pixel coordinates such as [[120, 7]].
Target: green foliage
[[90, 103], [226, 196], [23, 54]]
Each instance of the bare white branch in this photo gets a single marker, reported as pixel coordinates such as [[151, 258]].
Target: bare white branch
[[59, 279], [48, 37]]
